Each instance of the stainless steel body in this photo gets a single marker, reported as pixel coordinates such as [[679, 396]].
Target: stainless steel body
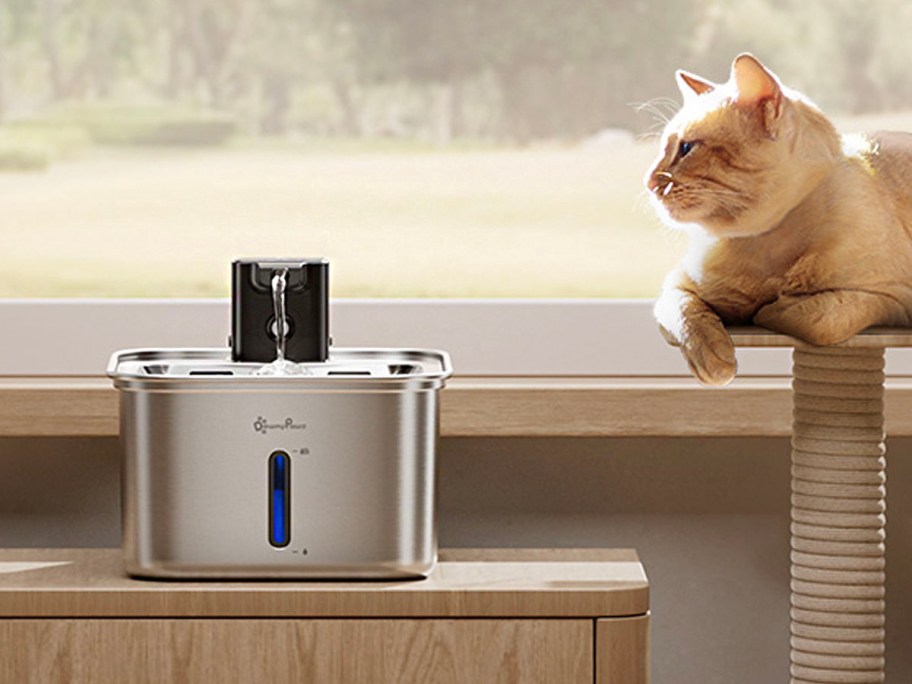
[[360, 434]]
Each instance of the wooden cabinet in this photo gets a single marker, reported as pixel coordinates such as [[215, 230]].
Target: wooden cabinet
[[621, 649], [279, 651], [524, 616]]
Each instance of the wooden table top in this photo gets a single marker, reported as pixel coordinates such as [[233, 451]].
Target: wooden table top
[[465, 583]]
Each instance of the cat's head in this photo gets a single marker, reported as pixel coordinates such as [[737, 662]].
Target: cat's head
[[740, 155]]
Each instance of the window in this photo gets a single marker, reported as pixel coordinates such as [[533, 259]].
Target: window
[[429, 149]]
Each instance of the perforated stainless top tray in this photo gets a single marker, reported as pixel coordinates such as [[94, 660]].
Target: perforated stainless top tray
[[213, 369]]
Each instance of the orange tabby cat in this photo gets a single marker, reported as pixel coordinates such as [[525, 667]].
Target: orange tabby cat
[[790, 226]]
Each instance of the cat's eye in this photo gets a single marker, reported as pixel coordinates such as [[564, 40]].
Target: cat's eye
[[685, 148]]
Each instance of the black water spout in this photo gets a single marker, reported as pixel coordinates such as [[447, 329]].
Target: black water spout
[[253, 322]]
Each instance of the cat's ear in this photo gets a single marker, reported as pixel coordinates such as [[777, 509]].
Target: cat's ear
[[691, 84], [757, 86]]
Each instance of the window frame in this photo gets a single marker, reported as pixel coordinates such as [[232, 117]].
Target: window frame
[[485, 337]]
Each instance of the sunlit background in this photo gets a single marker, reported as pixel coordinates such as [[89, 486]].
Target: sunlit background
[[480, 148]]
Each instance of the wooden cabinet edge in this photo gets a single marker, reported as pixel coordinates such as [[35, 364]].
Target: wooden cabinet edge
[[622, 650]]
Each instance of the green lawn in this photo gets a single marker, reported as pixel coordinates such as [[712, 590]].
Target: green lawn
[[539, 222]]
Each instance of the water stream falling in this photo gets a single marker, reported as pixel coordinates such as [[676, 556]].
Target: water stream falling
[[281, 365], [279, 283]]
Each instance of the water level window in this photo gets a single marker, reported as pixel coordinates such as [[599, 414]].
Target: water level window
[[279, 499]]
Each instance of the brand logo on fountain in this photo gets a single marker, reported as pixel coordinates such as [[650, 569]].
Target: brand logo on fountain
[[263, 426]]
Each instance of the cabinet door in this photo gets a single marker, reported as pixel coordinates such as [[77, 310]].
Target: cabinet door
[[622, 650], [353, 651]]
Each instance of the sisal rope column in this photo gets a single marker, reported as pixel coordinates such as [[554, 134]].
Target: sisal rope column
[[838, 516], [838, 504]]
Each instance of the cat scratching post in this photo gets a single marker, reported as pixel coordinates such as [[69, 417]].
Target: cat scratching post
[[838, 504]]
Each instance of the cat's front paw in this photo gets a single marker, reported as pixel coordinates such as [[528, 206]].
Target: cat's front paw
[[710, 354]]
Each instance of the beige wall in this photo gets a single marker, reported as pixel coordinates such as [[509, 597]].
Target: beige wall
[[709, 517]]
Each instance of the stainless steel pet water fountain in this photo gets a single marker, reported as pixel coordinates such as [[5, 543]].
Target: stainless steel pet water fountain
[[282, 456]]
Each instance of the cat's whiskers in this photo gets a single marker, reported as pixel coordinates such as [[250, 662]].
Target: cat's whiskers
[[654, 108], [642, 202], [704, 190], [729, 199]]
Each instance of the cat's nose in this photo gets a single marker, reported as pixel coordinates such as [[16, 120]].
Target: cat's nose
[[658, 181]]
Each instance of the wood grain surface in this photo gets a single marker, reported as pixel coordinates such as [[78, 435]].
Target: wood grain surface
[[872, 338], [616, 407], [52, 407], [622, 650], [495, 407], [514, 583], [296, 651], [517, 406]]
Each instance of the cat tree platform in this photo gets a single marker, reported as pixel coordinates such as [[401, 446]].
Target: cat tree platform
[[838, 504]]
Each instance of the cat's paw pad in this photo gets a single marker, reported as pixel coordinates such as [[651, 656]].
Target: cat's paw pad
[[711, 356]]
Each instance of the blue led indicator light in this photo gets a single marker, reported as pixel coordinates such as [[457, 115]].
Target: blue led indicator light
[[279, 499]]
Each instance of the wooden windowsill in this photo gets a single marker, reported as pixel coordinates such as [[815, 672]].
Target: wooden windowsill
[[494, 407]]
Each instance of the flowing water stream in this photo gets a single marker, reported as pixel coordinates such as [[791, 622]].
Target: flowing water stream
[[281, 365]]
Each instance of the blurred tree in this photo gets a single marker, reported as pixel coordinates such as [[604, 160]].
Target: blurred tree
[[50, 40], [849, 56], [12, 15], [889, 63], [212, 33], [569, 69], [857, 26], [88, 45], [563, 69], [18, 28], [277, 57], [429, 43], [4, 30], [295, 43], [525, 69]]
